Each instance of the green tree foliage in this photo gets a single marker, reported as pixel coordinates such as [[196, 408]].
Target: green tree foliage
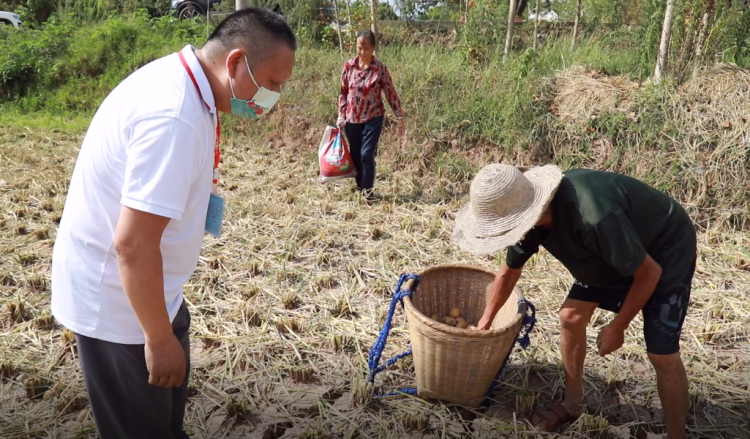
[[35, 12], [65, 65], [728, 36], [484, 34]]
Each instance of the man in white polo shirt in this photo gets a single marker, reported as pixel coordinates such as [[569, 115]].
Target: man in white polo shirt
[[143, 193]]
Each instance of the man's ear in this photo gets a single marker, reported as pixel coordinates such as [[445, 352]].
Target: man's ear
[[234, 58]]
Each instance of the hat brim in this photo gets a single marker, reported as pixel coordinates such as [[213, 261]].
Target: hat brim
[[485, 237]]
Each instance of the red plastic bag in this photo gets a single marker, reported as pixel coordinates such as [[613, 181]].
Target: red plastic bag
[[334, 157]]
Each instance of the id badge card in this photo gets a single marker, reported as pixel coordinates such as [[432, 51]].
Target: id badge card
[[215, 215]]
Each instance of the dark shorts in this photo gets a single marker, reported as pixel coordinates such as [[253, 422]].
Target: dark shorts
[[663, 314]]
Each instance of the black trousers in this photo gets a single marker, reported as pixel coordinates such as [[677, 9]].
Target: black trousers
[[363, 144], [521, 7], [124, 404]]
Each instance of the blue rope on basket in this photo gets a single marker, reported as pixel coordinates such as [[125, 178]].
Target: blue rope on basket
[[377, 349], [398, 297]]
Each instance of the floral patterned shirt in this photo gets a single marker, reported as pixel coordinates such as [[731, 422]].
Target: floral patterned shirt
[[360, 101]]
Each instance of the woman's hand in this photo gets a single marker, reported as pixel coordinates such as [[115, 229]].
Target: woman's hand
[[401, 128], [341, 122]]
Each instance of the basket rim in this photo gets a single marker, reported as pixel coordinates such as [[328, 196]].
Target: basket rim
[[469, 333]]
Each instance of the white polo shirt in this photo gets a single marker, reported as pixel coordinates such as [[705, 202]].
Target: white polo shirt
[[149, 147]]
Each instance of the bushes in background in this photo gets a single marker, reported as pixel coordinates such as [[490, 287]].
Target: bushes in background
[[65, 65]]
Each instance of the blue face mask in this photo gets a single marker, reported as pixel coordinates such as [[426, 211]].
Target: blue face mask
[[259, 105]]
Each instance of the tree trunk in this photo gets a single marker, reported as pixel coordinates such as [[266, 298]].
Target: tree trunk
[[666, 35], [703, 30], [689, 35], [511, 24], [241, 4], [338, 25], [536, 24], [374, 18], [575, 27], [349, 20]]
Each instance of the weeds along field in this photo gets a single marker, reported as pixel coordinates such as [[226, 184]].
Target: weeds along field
[[286, 305]]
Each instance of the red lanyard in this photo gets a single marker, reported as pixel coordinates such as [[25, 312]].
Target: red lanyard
[[217, 150]]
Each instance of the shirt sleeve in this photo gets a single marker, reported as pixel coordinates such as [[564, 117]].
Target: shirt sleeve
[[520, 253], [344, 93], [615, 239], [390, 92], [164, 157]]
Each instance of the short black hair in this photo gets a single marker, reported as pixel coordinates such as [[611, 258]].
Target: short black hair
[[258, 31], [369, 36]]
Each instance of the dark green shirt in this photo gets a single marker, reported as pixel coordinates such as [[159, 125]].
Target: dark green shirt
[[604, 224]]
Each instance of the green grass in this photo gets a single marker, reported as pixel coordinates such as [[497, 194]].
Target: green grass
[[67, 68], [442, 94], [44, 120]]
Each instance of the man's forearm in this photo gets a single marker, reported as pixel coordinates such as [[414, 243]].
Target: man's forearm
[[505, 280], [637, 297], [644, 283], [139, 262], [142, 276]]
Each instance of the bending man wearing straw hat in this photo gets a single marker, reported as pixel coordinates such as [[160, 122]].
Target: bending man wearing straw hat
[[630, 248]]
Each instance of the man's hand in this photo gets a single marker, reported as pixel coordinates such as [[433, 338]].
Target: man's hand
[[165, 361], [484, 323], [401, 128], [610, 339]]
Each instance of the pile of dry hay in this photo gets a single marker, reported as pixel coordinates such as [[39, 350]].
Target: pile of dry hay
[[712, 113], [701, 153], [582, 93], [717, 100]]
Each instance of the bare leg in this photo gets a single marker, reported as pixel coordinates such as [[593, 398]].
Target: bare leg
[[671, 380], [574, 317]]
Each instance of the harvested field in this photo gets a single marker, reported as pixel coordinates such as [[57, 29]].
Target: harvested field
[[286, 305]]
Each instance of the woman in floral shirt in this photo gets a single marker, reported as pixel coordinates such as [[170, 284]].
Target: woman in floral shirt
[[361, 109]]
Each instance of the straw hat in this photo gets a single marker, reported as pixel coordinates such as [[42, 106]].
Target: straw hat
[[505, 203]]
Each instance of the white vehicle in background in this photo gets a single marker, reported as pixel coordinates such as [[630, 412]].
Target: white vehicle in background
[[10, 18], [549, 16]]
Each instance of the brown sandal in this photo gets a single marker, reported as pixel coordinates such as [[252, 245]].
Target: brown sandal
[[553, 415]]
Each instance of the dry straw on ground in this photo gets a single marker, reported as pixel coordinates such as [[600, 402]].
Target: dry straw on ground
[[286, 305], [262, 368]]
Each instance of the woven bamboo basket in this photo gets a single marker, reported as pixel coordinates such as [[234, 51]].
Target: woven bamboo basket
[[452, 364]]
